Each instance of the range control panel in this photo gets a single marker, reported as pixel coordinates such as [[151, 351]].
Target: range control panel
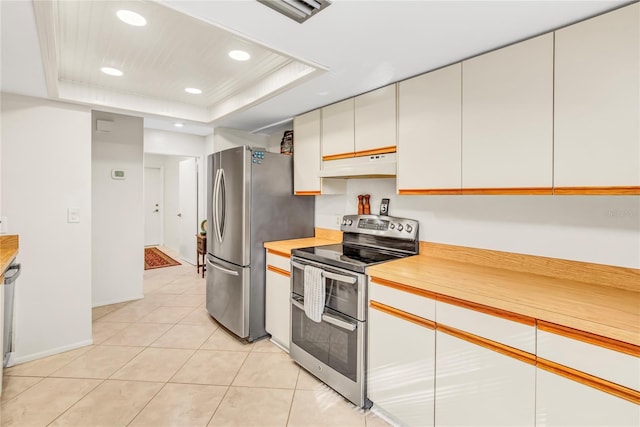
[[380, 225]]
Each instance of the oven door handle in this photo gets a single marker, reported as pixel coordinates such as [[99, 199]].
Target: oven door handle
[[296, 301], [329, 275], [339, 322]]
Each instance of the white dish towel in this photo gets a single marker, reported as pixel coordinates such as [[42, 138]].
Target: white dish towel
[[314, 293]]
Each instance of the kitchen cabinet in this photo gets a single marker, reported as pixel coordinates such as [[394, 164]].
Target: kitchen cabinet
[[307, 161], [597, 105], [507, 122], [482, 381], [585, 379], [375, 121], [1, 327], [277, 298], [429, 133], [401, 367], [338, 130], [306, 153], [564, 402]]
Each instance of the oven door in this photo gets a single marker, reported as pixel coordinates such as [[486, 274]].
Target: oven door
[[333, 341]]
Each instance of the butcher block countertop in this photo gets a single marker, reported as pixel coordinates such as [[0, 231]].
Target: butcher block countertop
[[602, 300], [322, 237], [8, 251]]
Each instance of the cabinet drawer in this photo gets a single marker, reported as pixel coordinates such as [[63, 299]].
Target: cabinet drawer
[[418, 305], [496, 325], [606, 363], [278, 261]]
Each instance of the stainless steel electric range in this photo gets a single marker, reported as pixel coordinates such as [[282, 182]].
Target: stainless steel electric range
[[334, 349]]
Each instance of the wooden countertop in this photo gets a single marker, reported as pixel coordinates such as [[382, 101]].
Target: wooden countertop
[[322, 237], [609, 311], [8, 251]]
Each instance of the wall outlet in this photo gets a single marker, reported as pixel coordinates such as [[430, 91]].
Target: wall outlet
[[338, 219], [4, 225]]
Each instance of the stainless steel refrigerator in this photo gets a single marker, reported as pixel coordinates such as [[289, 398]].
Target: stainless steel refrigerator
[[250, 201]]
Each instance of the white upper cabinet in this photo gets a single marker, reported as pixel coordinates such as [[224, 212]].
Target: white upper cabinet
[[375, 121], [338, 130], [507, 119], [597, 102], [306, 153], [429, 133]]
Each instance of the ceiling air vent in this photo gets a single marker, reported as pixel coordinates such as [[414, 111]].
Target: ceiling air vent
[[298, 10]]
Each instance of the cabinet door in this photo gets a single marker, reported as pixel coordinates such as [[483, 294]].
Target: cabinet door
[[562, 402], [337, 130], [277, 307], [429, 133], [597, 102], [306, 153], [375, 121], [478, 386], [507, 122], [401, 368]]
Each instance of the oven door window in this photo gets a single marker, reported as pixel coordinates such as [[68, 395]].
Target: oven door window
[[334, 341]]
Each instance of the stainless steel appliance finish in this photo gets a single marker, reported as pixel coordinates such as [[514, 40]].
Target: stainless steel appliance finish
[[334, 350], [251, 201]]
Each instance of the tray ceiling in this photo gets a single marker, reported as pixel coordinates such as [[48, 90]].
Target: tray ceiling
[[172, 52]]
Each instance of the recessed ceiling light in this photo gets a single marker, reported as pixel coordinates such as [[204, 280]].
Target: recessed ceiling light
[[193, 90], [323, 93], [131, 18], [111, 71], [239, 55], [178, 125]]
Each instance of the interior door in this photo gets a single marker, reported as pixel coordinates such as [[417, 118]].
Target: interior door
[[188, 209], [153, 187]]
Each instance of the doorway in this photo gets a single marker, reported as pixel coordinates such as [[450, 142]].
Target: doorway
[[178, 210]]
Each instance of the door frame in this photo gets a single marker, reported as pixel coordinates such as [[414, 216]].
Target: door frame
[[161, 168]]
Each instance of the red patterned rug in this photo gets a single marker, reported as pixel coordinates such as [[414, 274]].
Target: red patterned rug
[[155, 258]]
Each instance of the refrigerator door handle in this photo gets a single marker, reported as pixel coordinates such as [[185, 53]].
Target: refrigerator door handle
[[223, 191], [224, 270], [216, 202]]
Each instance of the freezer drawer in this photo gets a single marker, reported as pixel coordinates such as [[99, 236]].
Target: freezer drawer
[[228, 295]]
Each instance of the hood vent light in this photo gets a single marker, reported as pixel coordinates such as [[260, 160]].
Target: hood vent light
[[298, 10]]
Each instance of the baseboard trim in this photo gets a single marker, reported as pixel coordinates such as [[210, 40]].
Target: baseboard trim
[[117, 301], [16, 360]]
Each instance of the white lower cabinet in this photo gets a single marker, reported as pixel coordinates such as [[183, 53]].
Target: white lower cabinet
[[401, 368], [476, 386], [563, 402], [277, 316]]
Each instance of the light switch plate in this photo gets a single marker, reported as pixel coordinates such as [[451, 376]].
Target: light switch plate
[[73, 215], [4, 225]]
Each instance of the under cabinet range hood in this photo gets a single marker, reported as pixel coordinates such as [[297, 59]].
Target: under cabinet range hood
[[373, 166]]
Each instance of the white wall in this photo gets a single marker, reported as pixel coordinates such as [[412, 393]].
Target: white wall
[[171, 196], [185, 145], [224, 138], [598, 229], [46, 169], [118, 220]]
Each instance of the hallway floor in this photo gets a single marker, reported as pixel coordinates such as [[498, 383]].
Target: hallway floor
[[162, 361]]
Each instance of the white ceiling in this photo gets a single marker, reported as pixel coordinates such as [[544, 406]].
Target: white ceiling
[[363, 44]]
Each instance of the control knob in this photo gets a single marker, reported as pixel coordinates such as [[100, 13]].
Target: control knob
[[349, 222], [400, 227], [344, 222], [408, 228], [392, 226]]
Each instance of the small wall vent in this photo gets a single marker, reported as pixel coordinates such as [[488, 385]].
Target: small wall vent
[[298, 10]]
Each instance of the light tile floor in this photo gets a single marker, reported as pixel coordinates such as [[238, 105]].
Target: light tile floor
[[162, 361]]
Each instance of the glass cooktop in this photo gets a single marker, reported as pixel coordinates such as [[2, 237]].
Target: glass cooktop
[[349, 257]]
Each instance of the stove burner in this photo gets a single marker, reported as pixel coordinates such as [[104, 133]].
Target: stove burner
[[350, 257]]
